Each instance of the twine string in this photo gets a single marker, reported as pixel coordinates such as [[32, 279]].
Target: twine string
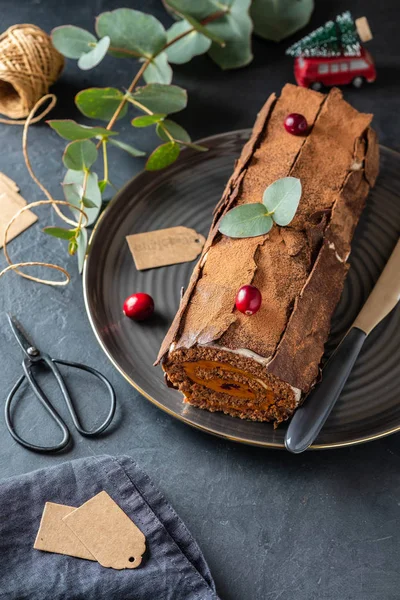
[[50, 200], [29, 64]]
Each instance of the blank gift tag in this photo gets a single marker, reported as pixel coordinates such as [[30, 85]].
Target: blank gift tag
[[55, 536], [107, 532], [165, 247], [10, 203]]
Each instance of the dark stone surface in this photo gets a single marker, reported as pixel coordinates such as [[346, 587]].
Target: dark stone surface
[[322, 526]]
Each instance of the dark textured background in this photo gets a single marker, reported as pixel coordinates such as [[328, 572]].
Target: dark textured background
[[321, 526]]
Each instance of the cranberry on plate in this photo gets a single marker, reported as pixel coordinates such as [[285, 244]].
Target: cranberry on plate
[[138, 306]]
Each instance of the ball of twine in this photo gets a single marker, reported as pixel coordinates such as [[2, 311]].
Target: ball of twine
[[29, 64]]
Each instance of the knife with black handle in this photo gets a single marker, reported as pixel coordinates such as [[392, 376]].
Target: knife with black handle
[[309, 419]]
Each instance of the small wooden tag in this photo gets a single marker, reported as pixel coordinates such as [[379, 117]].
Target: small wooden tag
[[107, 532], [55, 536], [10, 203], [363, 29], [165, 247]]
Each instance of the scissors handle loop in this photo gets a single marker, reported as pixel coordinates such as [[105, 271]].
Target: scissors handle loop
[[67, 398], [52, 365], [46, 404]]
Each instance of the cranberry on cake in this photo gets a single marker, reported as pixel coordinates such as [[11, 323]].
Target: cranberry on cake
[[260, 366]]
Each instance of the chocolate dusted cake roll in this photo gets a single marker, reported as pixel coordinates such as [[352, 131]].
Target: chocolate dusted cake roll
[[260, 367]]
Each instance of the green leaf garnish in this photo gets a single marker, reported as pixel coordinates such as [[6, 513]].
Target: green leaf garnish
[[282, 199], [248, 220], [82, 242], [192, 44], [72, 41], [127, 148], [100, 103], [159, 70], [235, 28], [196, 24], [71, 130], [59, 232], [147, 120], [160, 98], [72, 246], [278, 20], [102, 185], [133, 31], [80, 155], [199, 9], [95, 56], [280, 202], [88, 203], [73, 192], [163, 156], [177, 132]]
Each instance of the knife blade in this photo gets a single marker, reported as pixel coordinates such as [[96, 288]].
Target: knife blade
[[309, 419]]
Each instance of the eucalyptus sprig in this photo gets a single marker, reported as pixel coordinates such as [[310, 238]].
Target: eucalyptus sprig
[[280, 202], [127, 33], [221, 28]]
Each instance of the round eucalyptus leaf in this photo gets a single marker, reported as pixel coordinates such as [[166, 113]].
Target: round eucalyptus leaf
[[100, 103], [148, 120], [95, 56], [197, 25], [160, 98], [235, 29], [278, 20], [282, 199], [163, 156], [71, 130], [132, 30], [200, 9], [159, 70], [247, 220], [189, 46], [80, 155], [73, 193], [72, 41], [175, 130]]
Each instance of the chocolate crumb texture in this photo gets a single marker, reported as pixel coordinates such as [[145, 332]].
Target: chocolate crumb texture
[[257, 367]]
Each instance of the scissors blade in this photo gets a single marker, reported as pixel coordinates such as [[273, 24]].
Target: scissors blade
[[20, 335]]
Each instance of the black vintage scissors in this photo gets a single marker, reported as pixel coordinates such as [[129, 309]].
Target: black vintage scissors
[[32, 357]]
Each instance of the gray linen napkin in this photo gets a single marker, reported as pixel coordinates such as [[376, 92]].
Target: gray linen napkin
[[173, 568]]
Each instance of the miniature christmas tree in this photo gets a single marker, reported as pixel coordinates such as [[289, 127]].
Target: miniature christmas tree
[[335, 38]]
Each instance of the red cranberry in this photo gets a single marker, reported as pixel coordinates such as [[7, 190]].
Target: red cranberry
[[138, 306], [248, 299], [295, 124]]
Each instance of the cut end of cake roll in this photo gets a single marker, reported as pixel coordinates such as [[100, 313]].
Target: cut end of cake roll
[[260, 367], [235, 383]]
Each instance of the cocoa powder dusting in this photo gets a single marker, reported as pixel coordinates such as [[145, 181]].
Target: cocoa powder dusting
[[300, 270]]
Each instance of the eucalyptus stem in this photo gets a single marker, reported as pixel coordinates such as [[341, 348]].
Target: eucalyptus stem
[[105, 159], [146, 63], [140, 105], [125, 51]]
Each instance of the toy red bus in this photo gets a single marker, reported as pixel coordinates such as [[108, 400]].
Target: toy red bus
[[315, 72]]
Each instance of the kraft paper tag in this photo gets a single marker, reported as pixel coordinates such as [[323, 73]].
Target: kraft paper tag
[[10, 203], [55, 536], [165, 247], [107, 532]]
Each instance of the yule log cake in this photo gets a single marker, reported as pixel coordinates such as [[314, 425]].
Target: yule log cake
[[260, 367]]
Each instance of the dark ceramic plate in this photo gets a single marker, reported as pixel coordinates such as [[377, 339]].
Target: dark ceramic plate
[[185, 194]]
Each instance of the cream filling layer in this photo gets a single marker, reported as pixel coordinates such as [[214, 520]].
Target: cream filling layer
[[248, 354]]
